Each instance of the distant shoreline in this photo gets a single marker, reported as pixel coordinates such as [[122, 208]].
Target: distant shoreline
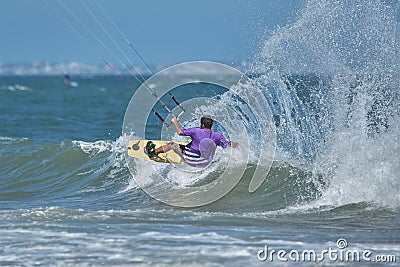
[[39, 68]]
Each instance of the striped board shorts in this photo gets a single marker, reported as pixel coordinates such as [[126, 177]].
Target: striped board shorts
[[190, 157], [195, 159]]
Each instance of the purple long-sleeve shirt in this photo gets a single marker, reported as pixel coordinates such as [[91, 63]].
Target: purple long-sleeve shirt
[[194, 156]]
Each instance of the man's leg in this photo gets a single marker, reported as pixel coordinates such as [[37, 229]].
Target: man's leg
[[165, 148], [168, 147]]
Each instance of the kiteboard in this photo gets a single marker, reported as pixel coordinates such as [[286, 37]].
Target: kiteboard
[[136, 149]]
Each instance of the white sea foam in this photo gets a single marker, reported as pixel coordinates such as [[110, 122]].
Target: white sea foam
[[15, 87], [97, 147], [362, 170], [6, 138]]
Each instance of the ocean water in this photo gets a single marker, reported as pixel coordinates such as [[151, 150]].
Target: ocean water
[[331, 80]]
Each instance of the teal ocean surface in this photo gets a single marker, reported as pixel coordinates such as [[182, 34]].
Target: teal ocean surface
[[331, 81], [67, 196]]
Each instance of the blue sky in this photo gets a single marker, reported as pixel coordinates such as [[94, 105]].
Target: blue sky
[[165, 32]]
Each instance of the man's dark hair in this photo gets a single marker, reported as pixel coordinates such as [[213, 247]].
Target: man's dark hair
[[207, 122]]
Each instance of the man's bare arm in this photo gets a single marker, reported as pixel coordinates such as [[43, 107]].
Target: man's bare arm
[[178, 129]]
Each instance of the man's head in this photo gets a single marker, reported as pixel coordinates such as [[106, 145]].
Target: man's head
[[206, 122]]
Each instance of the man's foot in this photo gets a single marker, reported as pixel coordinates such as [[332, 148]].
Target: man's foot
[[150, 149]]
